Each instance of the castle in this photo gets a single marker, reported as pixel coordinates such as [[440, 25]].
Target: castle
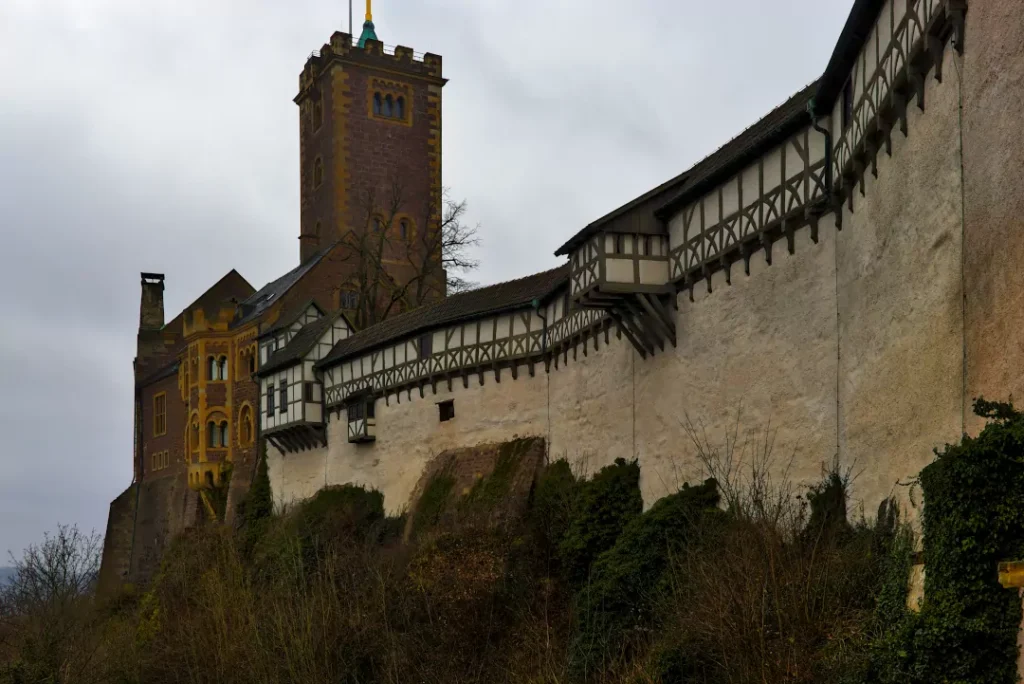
[[845, 270]]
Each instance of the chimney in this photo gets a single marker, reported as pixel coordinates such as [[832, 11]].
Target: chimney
[[151, 311]]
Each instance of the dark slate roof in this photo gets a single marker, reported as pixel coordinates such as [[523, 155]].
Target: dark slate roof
[[467, 305], [159, 374], [300, 345], [856, 30], [730, 158], [771, 130], [291, 316], [254, 305]]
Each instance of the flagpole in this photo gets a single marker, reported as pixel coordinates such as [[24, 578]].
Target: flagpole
[[350, 18]]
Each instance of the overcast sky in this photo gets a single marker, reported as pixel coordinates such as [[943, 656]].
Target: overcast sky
[[161, 136]]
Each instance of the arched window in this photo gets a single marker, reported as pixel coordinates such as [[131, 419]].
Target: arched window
[[212, 435], [224, 434], [245, 426], [400, 108], [348, 299], [376, 104], [378, 224], [403, 228], [387, 106], [222, 368], [195, 436], [252, 363], [318, 172]]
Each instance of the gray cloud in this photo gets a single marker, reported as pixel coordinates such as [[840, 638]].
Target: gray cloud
[[161, 136]]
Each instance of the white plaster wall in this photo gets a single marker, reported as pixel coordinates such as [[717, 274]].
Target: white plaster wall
[[850, 346], [900, 311]]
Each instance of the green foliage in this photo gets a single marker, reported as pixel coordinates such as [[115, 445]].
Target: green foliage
[[973, 518], [338, 513], [258, 505], [433, 502], [605, 505], [551, 507], [626, 580]]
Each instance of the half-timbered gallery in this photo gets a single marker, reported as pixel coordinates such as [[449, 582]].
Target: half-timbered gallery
[[842, 275], [808, 278]]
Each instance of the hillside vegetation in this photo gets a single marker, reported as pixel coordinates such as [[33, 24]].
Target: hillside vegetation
[[739, 578]]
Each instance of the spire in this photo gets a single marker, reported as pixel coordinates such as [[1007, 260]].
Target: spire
[[368, 32]]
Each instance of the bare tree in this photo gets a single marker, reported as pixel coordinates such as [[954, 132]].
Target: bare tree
[[402, 258], [46, 612]]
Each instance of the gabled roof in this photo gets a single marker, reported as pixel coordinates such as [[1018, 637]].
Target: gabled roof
[[266, 296], [231, 285], [466, 305], [766, 133], [289, 317], [301, 344]]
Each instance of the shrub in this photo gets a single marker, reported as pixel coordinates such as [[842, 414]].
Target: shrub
[[604, 506]]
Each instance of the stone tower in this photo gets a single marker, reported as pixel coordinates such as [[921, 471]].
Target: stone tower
[[369, 140]]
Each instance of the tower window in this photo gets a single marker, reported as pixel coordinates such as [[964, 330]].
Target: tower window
[[252, 364], [318, 172], [318, 114], [403, 228], [446, 409], [378, 224], [389, 100], [222, 367], [245, 426], [160, 414]]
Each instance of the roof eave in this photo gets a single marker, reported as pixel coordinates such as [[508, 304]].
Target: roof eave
[[786, 128]]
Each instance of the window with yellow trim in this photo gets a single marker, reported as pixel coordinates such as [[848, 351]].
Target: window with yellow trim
[[160, 414], [390, 101]]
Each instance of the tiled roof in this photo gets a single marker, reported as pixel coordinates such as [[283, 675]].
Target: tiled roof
[[300, 344], [260, 301], [769, 131], [289, 317], [730, 158], [466, 305], [727, 159]]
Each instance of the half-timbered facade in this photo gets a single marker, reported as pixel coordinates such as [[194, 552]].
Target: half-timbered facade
[[765, 279]]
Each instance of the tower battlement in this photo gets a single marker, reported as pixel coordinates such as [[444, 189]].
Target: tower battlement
[[374, 54]]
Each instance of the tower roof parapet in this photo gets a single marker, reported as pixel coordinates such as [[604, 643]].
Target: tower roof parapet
[[373, 54]]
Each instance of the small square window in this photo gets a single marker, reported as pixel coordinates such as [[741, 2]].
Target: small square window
[[446, 410]]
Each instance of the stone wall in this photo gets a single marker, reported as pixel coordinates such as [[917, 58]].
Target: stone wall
[[851, 347], [117, 543]]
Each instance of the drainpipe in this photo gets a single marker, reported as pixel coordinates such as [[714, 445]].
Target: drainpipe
[[811, 107], [544, 338]]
